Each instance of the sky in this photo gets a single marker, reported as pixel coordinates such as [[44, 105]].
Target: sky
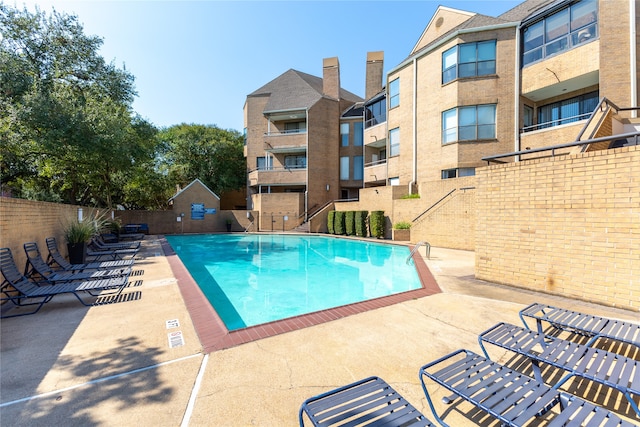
[[195, 62]]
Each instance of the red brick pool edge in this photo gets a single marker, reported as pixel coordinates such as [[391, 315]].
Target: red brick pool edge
[[214, 335]]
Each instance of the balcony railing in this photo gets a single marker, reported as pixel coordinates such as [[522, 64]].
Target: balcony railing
[[556, 122], [375, 121], [278, 176], [285, 132]]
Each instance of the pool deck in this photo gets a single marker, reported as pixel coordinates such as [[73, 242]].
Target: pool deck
[[112, 364]]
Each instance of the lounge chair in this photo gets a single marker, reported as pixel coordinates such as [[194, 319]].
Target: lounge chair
[[602, 367], [39, 270], [16, 288], [511, 397], [581, 323], [117, 254], [56, 260], [370, 402], [100, 243]]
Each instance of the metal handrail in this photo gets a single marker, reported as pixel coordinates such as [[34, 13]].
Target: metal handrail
[[427, 246], [434, 205], [552, 148]]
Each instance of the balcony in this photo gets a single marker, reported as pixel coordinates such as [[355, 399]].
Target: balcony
[[375, 172], [278, 176], [286, 142]]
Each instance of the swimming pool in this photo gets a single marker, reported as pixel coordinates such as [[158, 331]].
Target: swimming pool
[[251, 279]]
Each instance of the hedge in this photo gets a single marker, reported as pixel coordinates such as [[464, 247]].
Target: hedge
[[361, 223], [349, 223], [338, 223], [376, 222], [330, 222]]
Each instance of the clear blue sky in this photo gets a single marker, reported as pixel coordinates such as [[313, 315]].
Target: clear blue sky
[[196, 61]]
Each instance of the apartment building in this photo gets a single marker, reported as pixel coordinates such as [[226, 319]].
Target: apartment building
[[475, 86], [303, 146]]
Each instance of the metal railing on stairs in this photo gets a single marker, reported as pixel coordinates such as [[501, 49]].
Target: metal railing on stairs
[[417, 246]]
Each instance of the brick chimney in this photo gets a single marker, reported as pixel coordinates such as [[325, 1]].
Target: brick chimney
[[375, 65], [331, 77]]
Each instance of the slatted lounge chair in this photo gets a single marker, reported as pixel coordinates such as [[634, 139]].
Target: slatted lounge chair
[[100, 243], [118, 254], [581, 323], [599, 366], [23, 292], [57, 261], [370, 402], [37, 269], [511, 397]]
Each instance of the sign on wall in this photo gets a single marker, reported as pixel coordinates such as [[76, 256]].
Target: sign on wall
[[197, 211]]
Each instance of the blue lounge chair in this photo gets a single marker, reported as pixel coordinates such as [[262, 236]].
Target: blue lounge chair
[[510, 396], [23, 292], [602, 367], [370, 402], [101, 244], [39, 270], [116, 254], [57, 261], [581, 323]]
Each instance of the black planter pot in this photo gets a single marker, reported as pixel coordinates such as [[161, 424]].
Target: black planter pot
[[228, 227], [77, 252]]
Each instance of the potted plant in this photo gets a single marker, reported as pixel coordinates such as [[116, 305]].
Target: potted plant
[[402, 231], [77, 235], [229, 222]]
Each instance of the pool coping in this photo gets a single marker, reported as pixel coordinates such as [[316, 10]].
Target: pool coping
[[214, 335]]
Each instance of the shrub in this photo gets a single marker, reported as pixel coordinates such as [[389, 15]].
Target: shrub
[[411, 196], [402, 225], [330, 222], [376, 222], [361, 223], [338, 224], [349, 223]]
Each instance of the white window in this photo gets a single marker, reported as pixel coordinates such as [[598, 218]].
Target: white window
[[344, 134], [394, 142], [394, 93], [469, 123], [344, 168]]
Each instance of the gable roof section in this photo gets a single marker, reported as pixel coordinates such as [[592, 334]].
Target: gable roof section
[[443, 20], [194, 182], [296, 90]]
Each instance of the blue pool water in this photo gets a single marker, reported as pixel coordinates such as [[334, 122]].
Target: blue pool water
[[256, 278]]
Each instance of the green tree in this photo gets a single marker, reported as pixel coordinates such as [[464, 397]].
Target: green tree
[[67, 128], [213, 155]]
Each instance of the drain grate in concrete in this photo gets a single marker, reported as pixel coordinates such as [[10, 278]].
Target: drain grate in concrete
[[175, 339]]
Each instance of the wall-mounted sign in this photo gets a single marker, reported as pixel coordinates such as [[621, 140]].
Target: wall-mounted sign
[[197, 211], [209, 211]]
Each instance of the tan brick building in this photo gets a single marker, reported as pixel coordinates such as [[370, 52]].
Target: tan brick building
[[300, 131]]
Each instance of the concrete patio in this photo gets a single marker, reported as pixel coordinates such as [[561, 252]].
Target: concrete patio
[[112, 364]]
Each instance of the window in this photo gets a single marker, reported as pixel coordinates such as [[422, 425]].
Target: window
[[459, 172], [375, 113], [527, 117], [344, 168], [567, 111], [344, 134], [358, 134], [295, 127], [469, 60], [560, 31], [261, 163], [295, 162], [394, 142], [358, 167], [394, 93], [469, 123]]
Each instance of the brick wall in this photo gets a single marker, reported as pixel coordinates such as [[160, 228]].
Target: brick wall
[[568, 226], [23, 221]]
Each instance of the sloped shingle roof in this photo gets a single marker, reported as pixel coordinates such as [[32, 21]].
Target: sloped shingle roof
[[295, 89]]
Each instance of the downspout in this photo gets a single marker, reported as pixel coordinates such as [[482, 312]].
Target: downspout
[[632, 59], [414, 135], [517, 95], [306, 184]]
